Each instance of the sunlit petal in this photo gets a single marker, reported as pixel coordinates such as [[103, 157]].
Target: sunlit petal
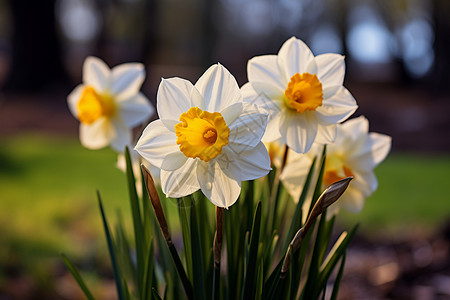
[[156, 142], [126, 80], [96, 74], [219, 88], [295, 57], [173, 98], [331, 69], [220, 189], [264, 69], [135, 110], [181, 182], [96, 135]]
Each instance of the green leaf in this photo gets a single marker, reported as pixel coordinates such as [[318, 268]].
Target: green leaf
[[123, 251], [127, 294], [182, 211], [216, 284], [137, 221], [234, 246], [332, 259], [272, 281], [117, 274], [148, 275], [260, 276], [252, 268], [77, 277], [337, 281], [155, 294], [297, 218], [318, 186], [197, 261]]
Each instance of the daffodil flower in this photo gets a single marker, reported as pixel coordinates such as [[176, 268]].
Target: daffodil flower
[[108, 103], [207, 138], [303, 94], [355, 152]]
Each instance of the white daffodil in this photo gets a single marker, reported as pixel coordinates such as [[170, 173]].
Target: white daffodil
[[355, 152], [303, 94], [206, 138], [108, 103]]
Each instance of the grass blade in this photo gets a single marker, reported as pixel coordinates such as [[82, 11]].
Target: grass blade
[[318, 187], [148, 276], [137, 221], [197, 261], [112, 253], [185, 230], [77, 277], [337, 282], [155, 294], [296, 220], [252, 268], [332, 259]]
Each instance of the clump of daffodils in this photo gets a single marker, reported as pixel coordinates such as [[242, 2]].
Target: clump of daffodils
[[253, 239]]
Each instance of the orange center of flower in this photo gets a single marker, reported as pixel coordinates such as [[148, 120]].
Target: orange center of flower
[[93, 106], [304, 92], [335, 170], [201, 134]]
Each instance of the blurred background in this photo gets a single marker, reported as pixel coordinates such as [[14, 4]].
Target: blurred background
[[398, 61]]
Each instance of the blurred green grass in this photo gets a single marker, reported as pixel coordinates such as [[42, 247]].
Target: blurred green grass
[[48, 202], [48, 199]]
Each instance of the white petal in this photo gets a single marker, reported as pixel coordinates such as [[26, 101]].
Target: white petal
[[273, 132], [170, 124], [326, 134], [330, 69], [219, 88], [156, 142], [294, 57], [173, 98], [271, 105], [265, 90], [96, 74], [374, 150], [254, 163], [248, 92], [247, 129], [73, 99], [366, 182], [264, 69], [356, 127], [222, 190], [336, 108], [96, 135], [381, 145], [294, 175], [232, 112], [135, 110], [173, 161], [352, 200], [181, 182], [126, 80], [197, 99], [122, 137], [299, 130]]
